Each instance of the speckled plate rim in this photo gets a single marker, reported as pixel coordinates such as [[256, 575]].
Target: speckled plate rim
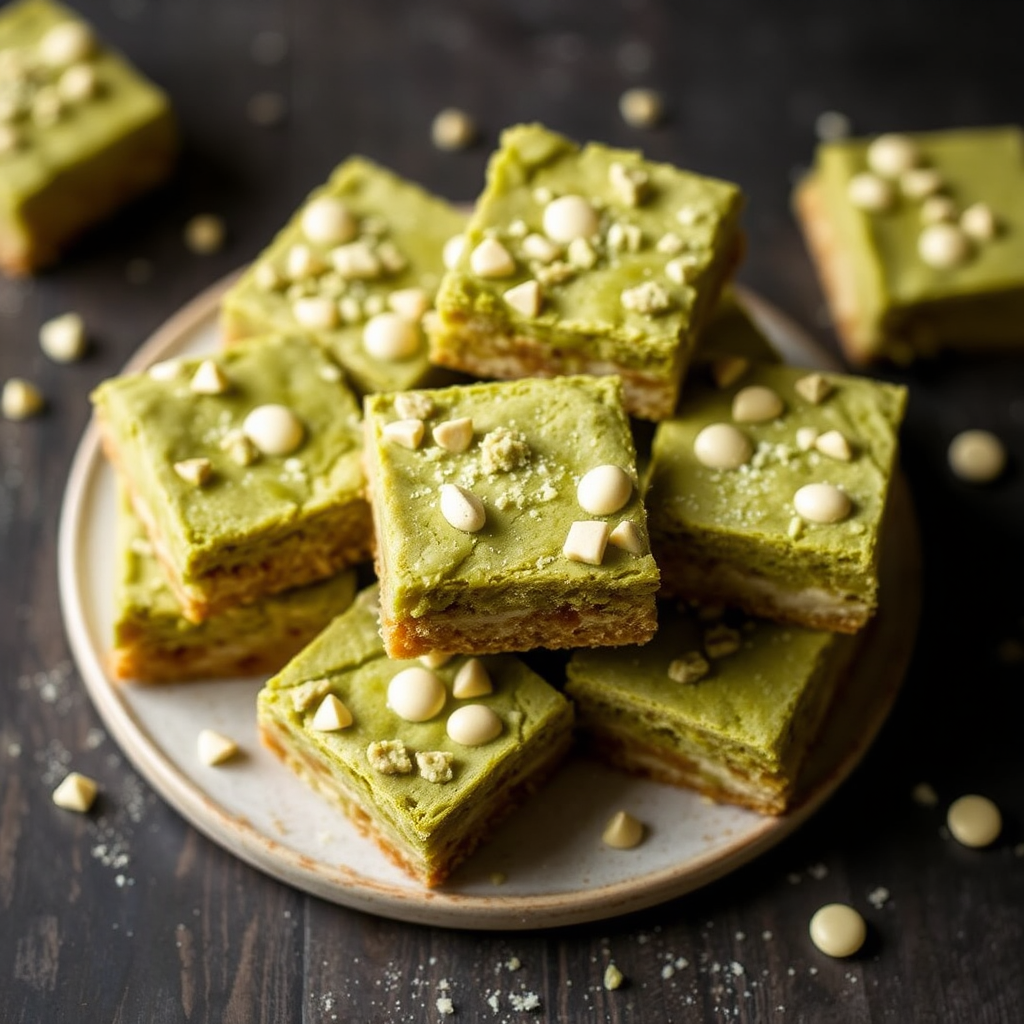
[[876, 678]]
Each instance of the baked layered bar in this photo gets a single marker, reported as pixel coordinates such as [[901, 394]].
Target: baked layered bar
[[587, 260], [769, 494], [425, 762], [245, 468], [716, 702], [508, 517], [918, 240], [81, 133], [155, 643], [356, 268]]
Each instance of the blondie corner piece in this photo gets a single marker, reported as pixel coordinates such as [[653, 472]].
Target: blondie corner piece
[[588, 260], [508, 517], [721, 704], [154, 643], [245, 468], [357, 268], [769, 495], [423, 761], [918, 240], [81, 133]]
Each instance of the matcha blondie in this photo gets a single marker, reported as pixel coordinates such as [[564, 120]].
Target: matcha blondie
[[508, 517], [81, 132], [425, 761], [356, 268], [587, 260]]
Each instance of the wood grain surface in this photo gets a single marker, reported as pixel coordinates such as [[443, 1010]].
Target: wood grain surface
[[127, 915]]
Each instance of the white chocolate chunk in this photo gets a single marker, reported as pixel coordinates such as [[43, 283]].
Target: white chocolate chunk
[[691, 668], [266, 277], [416, 694], [870, 193], [435, 766], [240, 448], [331, 715], [670, 244], [944, 246], [391, 258], [632, 185], [78, 83], [525, 298], [75, 793], [306, 693], [274, 429], [936, 209], [626, 238], [814, 388], [921, 182], [586, 541], [302, 262], [974, 821], [209, 379], [728, 369], [603, 490], [806, 438], [410, 303], [537, 247], [66, 43], [648, 298], [722, 446], [623, 831], [834, 444], [452, 129], [822, 503], [756, 404], [977, 456], [581, 254], [194, 471], [21, 399], [641, 108], [167, 369], [391, 337], [613, 978], [204, 234], [472, 680], [453, 250], [892, 155], [569, 217], [682, 269], [462, 509], [454, 435], [355, 261], [215, 748], [328, 221], [63, 338], [435, 659], [408, 433], [491, 259], [979, 222], [473, 725], [627, 536], [838, 930]]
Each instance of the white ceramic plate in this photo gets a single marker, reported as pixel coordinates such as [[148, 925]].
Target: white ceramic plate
[[556, 868]]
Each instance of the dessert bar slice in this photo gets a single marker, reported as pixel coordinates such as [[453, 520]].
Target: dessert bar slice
[[508, 517], [769, 494], [724, 705], [588, 260], [423, 761], [357, 268], [245, 467], [81, 132]]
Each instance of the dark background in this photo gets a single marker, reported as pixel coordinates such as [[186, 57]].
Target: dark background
[[129, 915]]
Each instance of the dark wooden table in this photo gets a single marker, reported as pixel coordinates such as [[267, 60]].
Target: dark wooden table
[[129, 915]]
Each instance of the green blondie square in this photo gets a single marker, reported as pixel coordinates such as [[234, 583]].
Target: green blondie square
[[587, 260], [494, 529], [81, 133], [427, 782], [769, 494], [357, 268], [155, 643], [245, 467], [918, 240], [725, 706]]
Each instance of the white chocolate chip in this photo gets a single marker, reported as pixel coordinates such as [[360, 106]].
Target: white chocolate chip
[[473, 725], [838, 930], [834, 444], [525, 298], [613, 978], [408, 433], [518, 229], [920, 182], [569, 217], [63, 338], [936, 209], [78, 83], [623, 831], [209, 379], [167, 369], [214, 748], [328, 221], [814, 388], [331, 715], [194, 471], [66, 43], [822, 503], [806, 437], [979, 222], [491, 259], [682, 269], [977, 456], [472, 680], [316, 312], [390, 337], [756, 404], [603, 490], [537, 247], [892, 155], [302, 262], [204, 234], [462, 509], [943, 246], [416, 694], [274, 429], [410, 303], [628, 537], [871, 193], [974, 821], [648, 298], [435, 659], [355, 261], [586, 541], [722, 446], [452, 129], [21, 399], [641, 108], [453, 250], [454, 435], [75, 793], [726, 370], [632, 185]]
